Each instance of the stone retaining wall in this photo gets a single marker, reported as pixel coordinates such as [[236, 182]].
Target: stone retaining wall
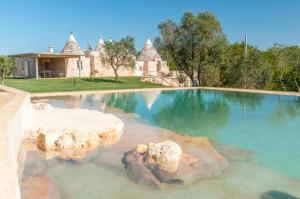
[[14, 117]]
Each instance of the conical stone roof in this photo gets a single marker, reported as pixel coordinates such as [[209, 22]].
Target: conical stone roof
[[148, 53], [100, 46], [72, 47]]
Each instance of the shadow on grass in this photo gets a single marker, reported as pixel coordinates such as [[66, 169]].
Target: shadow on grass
[[18, 78], [102, 80]]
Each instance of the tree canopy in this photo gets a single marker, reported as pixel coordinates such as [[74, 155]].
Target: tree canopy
[[120, 54], [194, 46], [6, 67], [198, 47]]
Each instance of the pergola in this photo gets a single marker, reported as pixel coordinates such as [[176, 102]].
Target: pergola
[[38, 56]]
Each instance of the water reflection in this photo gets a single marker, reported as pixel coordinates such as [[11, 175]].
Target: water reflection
[[246, 101], [286, 108], [125, 101], [150, 97], [189, 112]]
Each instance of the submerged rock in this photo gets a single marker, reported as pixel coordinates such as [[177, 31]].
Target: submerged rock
[[39, 187], [277, 195], [134, 165], [235, 154], [164, 163]]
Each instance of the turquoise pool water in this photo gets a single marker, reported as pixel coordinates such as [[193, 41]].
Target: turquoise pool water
[[267, 125]]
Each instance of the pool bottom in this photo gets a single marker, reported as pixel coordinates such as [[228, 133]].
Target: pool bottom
[[101, 173]]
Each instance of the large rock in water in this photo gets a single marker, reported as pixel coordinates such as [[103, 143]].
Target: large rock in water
[[165, 154], [70, 133], [164, 163], [39, 187]]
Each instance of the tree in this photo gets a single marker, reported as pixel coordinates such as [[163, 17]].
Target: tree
[[246, 71], [285, 64], [195, 46], [120, 54], [6, 67]]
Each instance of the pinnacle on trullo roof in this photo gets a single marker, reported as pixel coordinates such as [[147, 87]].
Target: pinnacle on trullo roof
[[148, 53], [72, 47], [100, 46]]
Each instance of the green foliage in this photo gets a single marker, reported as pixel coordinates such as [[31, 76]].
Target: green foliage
[[120, 54], [6, 67], [197, 47], [194, 46], [241, 70], [285, 63]]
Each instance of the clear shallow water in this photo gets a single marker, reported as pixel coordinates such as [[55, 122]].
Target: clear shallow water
[[266, 125]]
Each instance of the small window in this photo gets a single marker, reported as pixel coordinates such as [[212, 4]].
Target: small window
[[141, 68]]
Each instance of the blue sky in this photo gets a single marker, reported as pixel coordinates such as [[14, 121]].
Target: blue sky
[[32, 25]]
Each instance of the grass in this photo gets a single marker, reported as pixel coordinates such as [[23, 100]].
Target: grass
[[82, 84]]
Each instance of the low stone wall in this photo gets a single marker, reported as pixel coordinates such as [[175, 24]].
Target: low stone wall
[[14, 117]]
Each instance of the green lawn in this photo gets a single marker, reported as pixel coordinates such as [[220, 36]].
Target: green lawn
[[82, 84]]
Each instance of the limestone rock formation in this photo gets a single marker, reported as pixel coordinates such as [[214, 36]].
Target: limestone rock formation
[[164, 164], [71, 133], [39, 187], [71, 144], [165, 154]]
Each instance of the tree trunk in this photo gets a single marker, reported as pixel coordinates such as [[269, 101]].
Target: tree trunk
[[199, 76], [297, 86], [194, 82], [116, 75], [2, 79], [281, 75]]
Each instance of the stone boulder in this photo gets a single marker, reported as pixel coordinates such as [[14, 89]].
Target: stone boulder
[[165, 154], [164, 164], [71, 133], [39, 187], [71, 144]]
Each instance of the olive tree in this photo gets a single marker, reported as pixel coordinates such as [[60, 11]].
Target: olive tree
[[6, 67], [195, 46], [120, 54]]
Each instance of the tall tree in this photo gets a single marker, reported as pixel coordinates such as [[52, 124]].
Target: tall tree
[[285, 63], [6, 67], [195, 46], [120, 54], [246, 71]]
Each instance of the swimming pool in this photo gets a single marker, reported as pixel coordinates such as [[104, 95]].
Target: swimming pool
[[265, 126]]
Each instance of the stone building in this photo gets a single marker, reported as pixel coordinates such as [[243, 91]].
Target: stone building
[[149, 62], [69, 63], [72, 61], [99, 67]]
